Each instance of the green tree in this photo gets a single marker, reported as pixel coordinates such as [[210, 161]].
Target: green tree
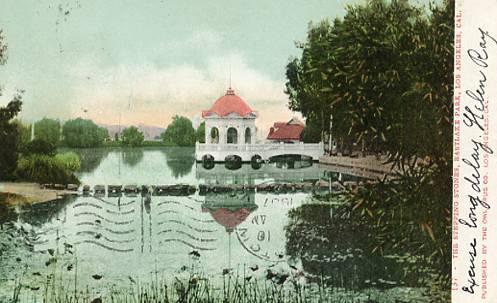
[[24, 135], [83, 133], [132, 137], [370, 71], [305, 77], [385, 73], [8, 128], [179, 133], [200, 133], [311, 133], [48, 130]]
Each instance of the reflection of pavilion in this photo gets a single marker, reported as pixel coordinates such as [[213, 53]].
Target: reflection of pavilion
[[230, 209], [247, 175]]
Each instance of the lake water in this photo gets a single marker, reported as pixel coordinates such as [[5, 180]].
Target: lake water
[[101, 244]]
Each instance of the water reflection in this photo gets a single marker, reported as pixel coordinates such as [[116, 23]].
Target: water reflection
[[139, 166], [230, 208], [160, 229], [7, 214], [132, 156], [291, 161], [90, 158], [247, 175], [120, 237], [339, 251], [41, 213], [180, 160], [147, 166]]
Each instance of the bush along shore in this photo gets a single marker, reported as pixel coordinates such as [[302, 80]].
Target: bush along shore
[[48, 169]]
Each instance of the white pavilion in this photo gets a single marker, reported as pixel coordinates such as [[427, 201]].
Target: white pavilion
[[230, 131]]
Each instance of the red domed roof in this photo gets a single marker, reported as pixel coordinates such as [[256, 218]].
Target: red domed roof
[[227, 104], [229, 218]]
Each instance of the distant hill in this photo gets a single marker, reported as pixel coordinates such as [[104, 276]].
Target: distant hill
[[150, 132]]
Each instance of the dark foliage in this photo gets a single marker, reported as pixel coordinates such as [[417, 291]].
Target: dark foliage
[[384, 72], [8, 129], [40, 147]]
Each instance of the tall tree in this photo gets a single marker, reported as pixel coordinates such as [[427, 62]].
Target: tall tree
[[83, 133], [132, 137], [8, 137], [8, 128], [179, 133], [305, 78], [385, 73], [311, 133], [48, 130]]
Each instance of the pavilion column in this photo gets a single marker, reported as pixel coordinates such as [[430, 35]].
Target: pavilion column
[[241, 135], [222, 135]]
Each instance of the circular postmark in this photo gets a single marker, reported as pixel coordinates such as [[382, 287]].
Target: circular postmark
[[263, 234]]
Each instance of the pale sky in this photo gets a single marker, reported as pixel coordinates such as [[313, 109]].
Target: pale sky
[[143, 61]]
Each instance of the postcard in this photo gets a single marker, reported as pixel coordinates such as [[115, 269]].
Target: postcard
[[247, 151]]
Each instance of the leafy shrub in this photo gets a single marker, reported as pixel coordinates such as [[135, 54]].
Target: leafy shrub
[[70, 160], [46, 169]]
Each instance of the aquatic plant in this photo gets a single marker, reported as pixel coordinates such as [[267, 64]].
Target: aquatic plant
[[195, 288]]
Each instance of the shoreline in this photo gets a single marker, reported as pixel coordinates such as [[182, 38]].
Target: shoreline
[[28, 193]]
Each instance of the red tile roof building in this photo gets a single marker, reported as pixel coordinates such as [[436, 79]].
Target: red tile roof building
[[286, 131]]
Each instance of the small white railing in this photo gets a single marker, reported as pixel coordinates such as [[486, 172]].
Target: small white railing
[[202, 147], [265, 150]]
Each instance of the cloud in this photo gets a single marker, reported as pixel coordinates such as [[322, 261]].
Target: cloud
[[133, 94], [145, 91]]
